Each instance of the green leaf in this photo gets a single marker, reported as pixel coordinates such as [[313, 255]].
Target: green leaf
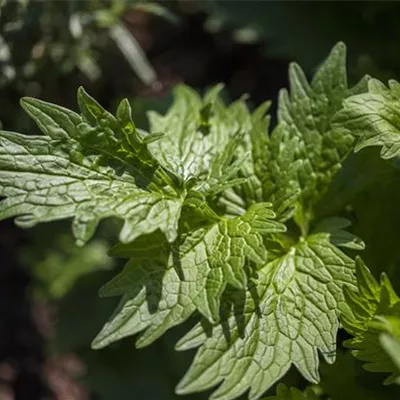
[[293, 167], [284, 393], [271, 171], [346, 379], [289, 312], [202, 198], [334, 226], [308, 112], [391, 345], [373, 309], [41, 183], [229, 245], [197, 133], [96, 132], [95, 165], [159, 293], [64, 263], [374, 117]]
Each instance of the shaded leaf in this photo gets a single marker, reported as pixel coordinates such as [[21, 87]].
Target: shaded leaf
[[161, 293], [288, 313], [374, 117], [373, 309]]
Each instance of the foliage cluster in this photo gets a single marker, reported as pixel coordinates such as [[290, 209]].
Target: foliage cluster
[[246, 229]]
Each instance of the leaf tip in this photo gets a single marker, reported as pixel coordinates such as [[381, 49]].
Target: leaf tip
[[80, 242], [183, 387], [82, 95], [81, 92], [27, 103], [143, 341], [98, 342], [340, 47]]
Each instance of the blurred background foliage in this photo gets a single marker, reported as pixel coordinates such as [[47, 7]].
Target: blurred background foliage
[[140, 49]]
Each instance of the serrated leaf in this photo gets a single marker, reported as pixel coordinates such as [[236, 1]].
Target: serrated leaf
[[373, 309], [268, 166], [268, 299], [335, 228], [114, 141], [41, 183], [374, 118], [196, 132], [308, 113], [95, 165], [294, 166], [229, 245], [158, 296], [288, 313]]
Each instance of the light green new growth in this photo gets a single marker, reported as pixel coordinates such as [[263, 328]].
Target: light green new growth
[[374, 320]]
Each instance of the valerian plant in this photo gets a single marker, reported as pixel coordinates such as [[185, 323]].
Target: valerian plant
[[219, 222]]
